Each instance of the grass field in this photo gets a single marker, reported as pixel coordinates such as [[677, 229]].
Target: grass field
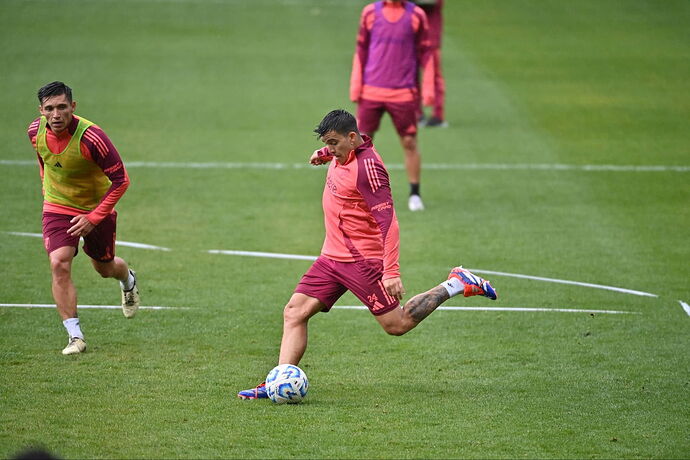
[[567, 158]]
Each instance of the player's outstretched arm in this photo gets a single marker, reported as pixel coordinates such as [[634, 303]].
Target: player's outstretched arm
[[320, 157]]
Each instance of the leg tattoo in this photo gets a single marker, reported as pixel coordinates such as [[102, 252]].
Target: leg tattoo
[[421, 305]]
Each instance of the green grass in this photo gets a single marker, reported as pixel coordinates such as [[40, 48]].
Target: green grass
[[529, 83]]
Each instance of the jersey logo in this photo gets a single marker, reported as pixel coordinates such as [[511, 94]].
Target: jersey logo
[[382, 206], [374, 302], [58, 165], [331, 185]]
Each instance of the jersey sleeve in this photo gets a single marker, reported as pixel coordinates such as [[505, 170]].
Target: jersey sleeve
[[96, 145], [361, 52], [422, 39], [374, 186]]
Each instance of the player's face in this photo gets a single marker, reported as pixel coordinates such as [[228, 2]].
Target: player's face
[[338, 145], [58, 110]]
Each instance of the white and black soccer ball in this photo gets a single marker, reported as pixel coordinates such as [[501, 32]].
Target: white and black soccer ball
[[286, 383]]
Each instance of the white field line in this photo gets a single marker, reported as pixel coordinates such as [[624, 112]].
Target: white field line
[[514, 275], [345, 307], [118, 242], [274, 255], [520, 309], [393, 166], [575, 283], [685, 306], [270, 255], [95, 307]]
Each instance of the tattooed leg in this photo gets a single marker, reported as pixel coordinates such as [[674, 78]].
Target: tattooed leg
[[421, 305]]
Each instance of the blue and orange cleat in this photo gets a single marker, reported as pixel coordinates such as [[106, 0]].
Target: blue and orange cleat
[[474, 285], [254, 393]]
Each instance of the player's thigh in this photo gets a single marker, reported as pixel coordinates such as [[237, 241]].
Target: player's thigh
[[99, 244], [363, 279], [322, 282], [55, 236], [369, 115], [404, 116]]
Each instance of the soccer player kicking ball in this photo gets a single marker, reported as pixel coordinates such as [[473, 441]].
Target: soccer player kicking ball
[[83, 178], [361, 248]]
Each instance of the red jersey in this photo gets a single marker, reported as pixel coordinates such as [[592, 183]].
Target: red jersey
[[94, 146], [358, 211]]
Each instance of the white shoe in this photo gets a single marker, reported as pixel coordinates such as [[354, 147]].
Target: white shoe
[[130, 299], [74, 346], [415, 203]]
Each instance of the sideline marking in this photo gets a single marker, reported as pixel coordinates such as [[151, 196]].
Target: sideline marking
[[271, 255], [95, 307], [117, 242], [514, 275], [275, 255], [346, 307], [576, 283], [555, 310], [393, 166], [685, 306]]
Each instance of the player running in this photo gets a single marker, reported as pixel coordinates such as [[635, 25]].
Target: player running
[[83, 179], [361, 248]]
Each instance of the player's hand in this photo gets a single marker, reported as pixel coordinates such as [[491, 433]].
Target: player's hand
[[82, 226], [394, 287], [314, 159], [317, 159]]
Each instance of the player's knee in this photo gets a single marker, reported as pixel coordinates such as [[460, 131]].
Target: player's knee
[[409, 144], [395, 330], [60, 268], [401, 327], [105, 270], [295, 313]]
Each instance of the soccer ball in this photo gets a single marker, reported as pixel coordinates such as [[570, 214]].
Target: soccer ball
[[286, 383]]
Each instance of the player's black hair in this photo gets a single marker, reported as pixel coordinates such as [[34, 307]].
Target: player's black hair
[[55, 88], [341, 121]]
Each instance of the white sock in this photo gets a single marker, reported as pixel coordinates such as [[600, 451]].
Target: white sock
[[454, 286], [73, 329], [129, 284]]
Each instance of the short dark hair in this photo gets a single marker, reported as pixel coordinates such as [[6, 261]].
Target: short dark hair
[[55, 88], [341, 121]]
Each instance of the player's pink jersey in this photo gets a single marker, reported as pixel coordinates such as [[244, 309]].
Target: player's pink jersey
[[95, 146], [358, 211]]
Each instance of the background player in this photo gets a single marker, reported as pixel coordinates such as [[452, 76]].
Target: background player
[[433, 83], [392, 45], [83, 178], [361, 247]]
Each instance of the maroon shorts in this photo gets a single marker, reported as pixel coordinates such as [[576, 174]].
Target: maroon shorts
[[403, 114], [99, 244], [327, 280]]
